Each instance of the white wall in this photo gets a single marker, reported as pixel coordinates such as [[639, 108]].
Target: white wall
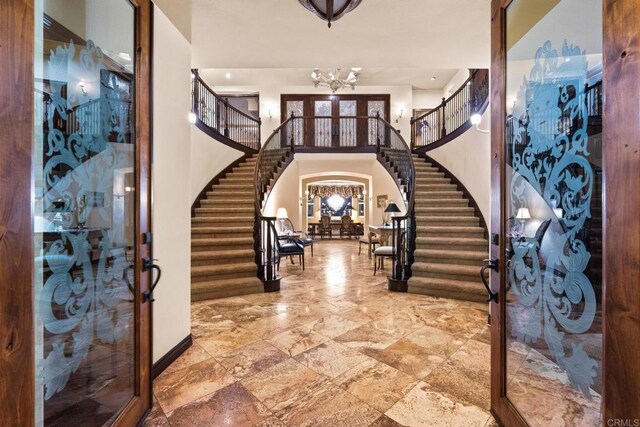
[[288, 189], [171, 185], [208, 158], [400, 98], [454, 84], [468, 157], [423, 99]]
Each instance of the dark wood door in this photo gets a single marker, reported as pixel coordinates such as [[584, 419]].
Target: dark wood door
[[565, 250], [75, 325]]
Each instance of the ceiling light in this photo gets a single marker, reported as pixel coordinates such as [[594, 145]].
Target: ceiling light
[[333, 80], [228, 76], [330, 10], [433, 78], [476, 119]]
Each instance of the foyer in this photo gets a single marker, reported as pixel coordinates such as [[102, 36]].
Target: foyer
[[333, 348]]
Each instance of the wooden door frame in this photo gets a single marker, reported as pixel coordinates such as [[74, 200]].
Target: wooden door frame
[[621, 228], [17, 353]]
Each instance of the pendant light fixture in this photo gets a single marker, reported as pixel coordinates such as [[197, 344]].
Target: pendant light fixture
[[330, 10]]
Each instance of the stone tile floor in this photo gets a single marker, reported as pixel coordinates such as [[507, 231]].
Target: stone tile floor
[[332, 348]]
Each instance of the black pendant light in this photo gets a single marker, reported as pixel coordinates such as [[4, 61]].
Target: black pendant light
[[330, 10]]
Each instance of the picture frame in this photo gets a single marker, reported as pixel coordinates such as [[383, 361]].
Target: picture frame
[[382, 201]]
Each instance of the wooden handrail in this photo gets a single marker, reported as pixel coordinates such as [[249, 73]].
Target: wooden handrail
[[223, 118], [470, 98]]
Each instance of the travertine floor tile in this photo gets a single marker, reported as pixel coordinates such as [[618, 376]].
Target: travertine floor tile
[[297, 340], [332, 326], [331, 359], [251, 359]]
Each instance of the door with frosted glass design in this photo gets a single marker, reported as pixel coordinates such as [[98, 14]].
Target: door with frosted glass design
[[547, 323], [90, 175]]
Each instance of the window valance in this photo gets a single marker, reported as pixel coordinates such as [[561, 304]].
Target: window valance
[[340, 190]]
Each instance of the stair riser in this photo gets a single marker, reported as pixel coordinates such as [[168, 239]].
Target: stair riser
[[221, 235], [211, 243], [435, 187], [450, 276], [222, 276], [444, 293], [211, 222], [433, 195], [443, 203], [222, 201], [470, 222], [455, 261], [452, 246], [222, 211], [218, 191], [225, 292], [460, 211], [221, 260]]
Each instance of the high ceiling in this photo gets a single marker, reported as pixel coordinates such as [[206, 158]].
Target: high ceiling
[[426, 35], [418, 78]]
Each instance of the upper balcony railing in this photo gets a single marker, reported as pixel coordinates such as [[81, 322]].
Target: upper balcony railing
[[452, 117], [215, 112]]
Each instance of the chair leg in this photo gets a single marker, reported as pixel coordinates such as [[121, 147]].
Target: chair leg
[[375, 265], [311, 249], [302, 257], [359, 248], [278, 264]]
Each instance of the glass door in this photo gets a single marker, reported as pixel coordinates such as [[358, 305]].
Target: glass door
[[90, 186], [323, 126], [547, 336]]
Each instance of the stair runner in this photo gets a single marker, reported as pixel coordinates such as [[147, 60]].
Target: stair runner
[[450, 243], [222, 252]]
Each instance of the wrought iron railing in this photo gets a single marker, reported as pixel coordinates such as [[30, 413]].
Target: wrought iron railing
[[215, 112], [396, 156], [277, 152], [453, 115]]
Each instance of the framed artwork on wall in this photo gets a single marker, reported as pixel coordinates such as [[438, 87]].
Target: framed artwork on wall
[[382, 201]]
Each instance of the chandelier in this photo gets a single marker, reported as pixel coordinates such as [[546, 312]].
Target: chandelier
[[333, 80], [330, 10]]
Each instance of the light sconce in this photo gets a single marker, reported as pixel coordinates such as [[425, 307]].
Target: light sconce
[[270, 115], [81, 85], [192, 117], [400, 115]]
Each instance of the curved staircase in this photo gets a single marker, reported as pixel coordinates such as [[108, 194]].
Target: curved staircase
[[450, 243], [222, 245]]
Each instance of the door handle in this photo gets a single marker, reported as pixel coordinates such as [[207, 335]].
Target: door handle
[[148, 264], [491, 264]]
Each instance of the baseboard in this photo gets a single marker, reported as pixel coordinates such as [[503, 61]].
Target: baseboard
[[173, 354]]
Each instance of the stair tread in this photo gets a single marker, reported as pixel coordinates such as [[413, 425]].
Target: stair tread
[[446, 268], [449, 253], [452, 240], [221, 241], [221, 253], [449, 284]]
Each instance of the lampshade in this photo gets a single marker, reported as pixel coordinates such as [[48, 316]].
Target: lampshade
[[392, 208], [523, 213], [282, 213]]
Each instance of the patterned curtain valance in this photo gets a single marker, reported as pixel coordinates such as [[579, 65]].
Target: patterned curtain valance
[[340, 190]]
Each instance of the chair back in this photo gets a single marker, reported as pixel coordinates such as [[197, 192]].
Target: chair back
[[284, 226], [346, 221], [325, 222]]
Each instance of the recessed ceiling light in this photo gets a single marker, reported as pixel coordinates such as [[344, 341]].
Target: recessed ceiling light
[[433, 78], [228, 75]]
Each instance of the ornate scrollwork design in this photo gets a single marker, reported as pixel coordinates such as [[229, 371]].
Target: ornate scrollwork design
[[549, 154]]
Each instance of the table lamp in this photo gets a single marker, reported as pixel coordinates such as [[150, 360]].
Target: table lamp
[[391, 209], [522, 216]]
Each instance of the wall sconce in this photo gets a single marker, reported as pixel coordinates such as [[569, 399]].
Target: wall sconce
[[400, 115], [81, 85], [192, 118]]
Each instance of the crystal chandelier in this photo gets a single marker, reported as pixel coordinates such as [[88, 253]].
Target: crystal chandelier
[[330, 10], [333, 80]]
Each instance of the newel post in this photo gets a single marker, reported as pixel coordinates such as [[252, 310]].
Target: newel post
[[443, 130]]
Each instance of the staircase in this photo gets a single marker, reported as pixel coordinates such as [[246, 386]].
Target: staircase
[[222, 245], [450, 243]]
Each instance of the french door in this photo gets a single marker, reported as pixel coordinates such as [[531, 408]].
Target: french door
[[336, 121], [76, 172], [557, 81]]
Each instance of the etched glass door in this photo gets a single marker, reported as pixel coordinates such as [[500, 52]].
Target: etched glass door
[[323, 122], [85, 175], [553, 212], [347, 125]]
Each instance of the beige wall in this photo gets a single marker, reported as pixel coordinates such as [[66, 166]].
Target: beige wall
[[171, 183], [208, 158], [468, 157]]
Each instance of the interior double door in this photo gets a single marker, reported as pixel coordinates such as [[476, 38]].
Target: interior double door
[[336, 121], [75, 312]]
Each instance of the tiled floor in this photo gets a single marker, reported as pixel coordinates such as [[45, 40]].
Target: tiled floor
[[332, 348]]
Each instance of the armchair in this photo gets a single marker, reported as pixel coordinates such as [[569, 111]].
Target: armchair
[[285, 228], [325, 226], [288, 248], [345, 226]]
